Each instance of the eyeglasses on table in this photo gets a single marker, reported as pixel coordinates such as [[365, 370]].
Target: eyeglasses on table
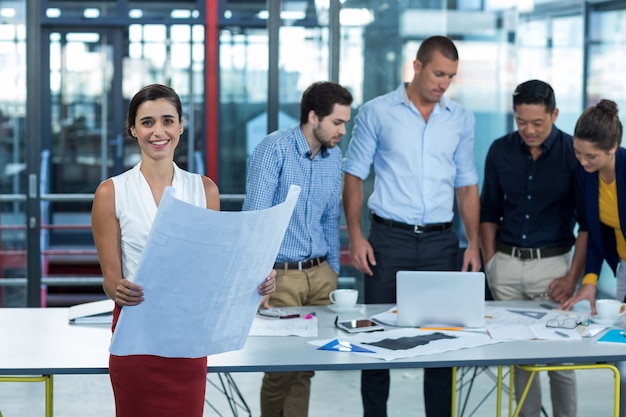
[[565, 323]]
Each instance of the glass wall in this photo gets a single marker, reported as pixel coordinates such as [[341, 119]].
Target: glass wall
[[243, 103], [605, 71], [556, 42], [97, 54], [12, 151]]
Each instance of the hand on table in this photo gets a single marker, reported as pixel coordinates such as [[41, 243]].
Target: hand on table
[[586, 292], [561, 289]]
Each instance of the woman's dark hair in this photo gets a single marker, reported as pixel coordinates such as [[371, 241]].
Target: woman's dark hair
[[600, 125], [150, 93], [534, 92], [321, 97]]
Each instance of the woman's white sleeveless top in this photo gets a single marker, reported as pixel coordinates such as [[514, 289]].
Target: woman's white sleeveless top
[[135, 209]]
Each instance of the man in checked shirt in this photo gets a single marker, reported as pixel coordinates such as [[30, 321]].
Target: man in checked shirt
[[307, 264]]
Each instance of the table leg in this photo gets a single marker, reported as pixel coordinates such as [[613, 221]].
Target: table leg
[[49, 395], [520, 403], [511, 388], [539, 368], [47, 379], [499, 392], [453, 399]]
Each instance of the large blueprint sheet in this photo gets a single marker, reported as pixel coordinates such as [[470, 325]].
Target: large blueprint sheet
[[200, 271]]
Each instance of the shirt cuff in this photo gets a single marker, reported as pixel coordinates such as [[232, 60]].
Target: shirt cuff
[[590, 279]]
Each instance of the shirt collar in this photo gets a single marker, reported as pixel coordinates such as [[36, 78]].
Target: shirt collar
[[303, 146]]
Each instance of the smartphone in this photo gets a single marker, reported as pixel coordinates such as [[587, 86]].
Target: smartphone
[[278, 313], [360, 325]]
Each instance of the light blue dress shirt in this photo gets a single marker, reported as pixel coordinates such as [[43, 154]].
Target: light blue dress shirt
[[282, 159], [418, 165]]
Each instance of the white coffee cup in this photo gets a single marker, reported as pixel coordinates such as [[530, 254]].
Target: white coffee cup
[[344, 298], [609, 309]]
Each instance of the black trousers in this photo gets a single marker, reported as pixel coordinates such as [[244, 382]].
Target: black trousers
[[395, 250]]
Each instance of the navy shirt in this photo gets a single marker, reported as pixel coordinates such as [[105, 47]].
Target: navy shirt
[[535, 203]]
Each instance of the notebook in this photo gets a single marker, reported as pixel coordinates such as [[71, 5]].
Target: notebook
[[96, 312], [440, 298]]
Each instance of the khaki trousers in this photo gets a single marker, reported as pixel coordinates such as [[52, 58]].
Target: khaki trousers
[[286, 394], [513, 279]]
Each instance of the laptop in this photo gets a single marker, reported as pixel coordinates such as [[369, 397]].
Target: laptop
[[440, 298]]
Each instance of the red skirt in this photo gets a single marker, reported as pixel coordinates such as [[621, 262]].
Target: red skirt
[[148, 385]]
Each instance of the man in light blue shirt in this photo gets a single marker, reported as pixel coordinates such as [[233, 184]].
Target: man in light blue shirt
[[421, 145], [307, 264]]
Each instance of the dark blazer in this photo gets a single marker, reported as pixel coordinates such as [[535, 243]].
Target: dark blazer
[[602, 245]]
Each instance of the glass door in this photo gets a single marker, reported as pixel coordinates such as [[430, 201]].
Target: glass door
[[84, 137], [82, 144], [93, 74], [13, 174]]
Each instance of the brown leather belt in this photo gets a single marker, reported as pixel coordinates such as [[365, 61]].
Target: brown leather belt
[[416, 228], [300, 265], [532, 253]]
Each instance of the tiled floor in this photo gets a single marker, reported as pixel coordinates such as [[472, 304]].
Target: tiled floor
[[333, 394]]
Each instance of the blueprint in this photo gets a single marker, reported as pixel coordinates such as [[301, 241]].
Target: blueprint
[[200, 270], [408, 342]]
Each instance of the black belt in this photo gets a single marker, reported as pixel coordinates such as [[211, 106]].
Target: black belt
[[300, 265], [532, 253], [416, 228]]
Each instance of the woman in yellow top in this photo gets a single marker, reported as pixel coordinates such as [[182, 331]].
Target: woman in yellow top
[[597, 139]]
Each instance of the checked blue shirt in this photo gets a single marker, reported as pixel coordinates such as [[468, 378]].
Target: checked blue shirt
[[283, 158]]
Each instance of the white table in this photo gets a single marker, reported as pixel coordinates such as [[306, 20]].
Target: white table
[[41, 343]]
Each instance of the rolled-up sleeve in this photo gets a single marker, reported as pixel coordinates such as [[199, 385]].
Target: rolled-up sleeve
[[466, 171], [363, 144]]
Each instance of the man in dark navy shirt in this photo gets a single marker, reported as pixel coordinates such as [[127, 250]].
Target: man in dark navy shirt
[[530, 203]]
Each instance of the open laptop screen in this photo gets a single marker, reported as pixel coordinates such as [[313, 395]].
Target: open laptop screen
[[440, 298]]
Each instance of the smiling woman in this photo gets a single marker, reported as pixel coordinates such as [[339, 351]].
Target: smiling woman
[[123, 211], [602, 173], [158, 130]]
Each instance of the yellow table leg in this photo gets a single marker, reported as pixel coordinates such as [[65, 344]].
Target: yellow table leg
[[541, 368], [49, 395], [453, 399], [499, 392], [47, 379], [531, 377]]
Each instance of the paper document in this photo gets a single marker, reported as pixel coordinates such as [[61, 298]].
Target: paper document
[[389, 317], [200, 270], [505, 323], [284, 327]]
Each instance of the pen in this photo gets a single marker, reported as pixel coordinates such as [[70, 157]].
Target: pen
[[289, 316], [562, 334]]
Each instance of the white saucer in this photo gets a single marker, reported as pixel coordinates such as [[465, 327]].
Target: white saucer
[[352, 309], [605, 322]]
